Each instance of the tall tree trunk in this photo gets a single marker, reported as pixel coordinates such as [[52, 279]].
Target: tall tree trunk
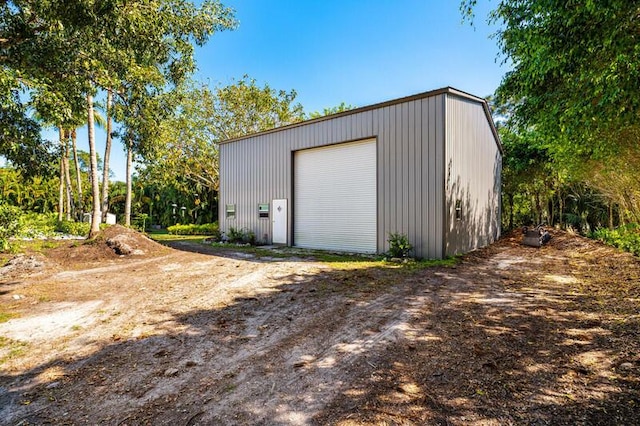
[[68, 197], [538, 208], [67, 175], [127, 202], [105, 164], [61, 186], [80, 199], [95, 187]]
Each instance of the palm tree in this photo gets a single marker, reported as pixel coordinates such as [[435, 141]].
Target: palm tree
[[129, 172], [95, 187], [98, 120], [105, 160], [67, 177], [61, 185], [80, 199]]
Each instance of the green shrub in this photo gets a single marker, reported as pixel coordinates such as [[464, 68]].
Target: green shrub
[[241, 236], [34, 225], [140, 222], [9, 224], [625, 237], [73, 228], [203, 229], [399, 245]]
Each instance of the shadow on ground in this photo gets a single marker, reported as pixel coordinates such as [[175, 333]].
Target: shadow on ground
[[510, 336]]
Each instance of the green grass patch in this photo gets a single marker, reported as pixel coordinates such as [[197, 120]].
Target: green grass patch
[[6, 316], [160, 237], [447, 262], [405, 265], [334, 259], [38, 246], [11, 349]]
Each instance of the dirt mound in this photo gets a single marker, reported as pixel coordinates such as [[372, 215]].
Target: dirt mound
[[22, 265], [135, 239], [560, 239], [111, 244]]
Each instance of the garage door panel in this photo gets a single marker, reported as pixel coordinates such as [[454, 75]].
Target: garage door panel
[[335, 197]]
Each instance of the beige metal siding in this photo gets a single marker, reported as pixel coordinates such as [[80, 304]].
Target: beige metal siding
[[410, 149], [473, 166]]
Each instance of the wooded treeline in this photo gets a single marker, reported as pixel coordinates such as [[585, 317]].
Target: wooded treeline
[[58, 56], [568, 111]]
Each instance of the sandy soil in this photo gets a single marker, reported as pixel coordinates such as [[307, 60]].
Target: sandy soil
[[511, 335]]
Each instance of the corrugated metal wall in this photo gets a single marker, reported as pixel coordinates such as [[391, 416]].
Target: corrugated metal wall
[[473, 169], [410, 166]]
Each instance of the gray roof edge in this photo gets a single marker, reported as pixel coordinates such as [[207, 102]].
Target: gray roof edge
[[428, 94]]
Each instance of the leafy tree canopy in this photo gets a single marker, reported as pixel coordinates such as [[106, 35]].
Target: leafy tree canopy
[[203, 117], [332, 110], [576, 68], [53, 52], [244, 107], [574, 83]]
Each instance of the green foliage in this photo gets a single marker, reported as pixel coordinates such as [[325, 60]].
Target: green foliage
[[574, 81], [625, 237], [241, 236], [20, 139], [203, 229], [9, 224], [140, 222], [56, 56], [34, 225], [399, 245], [74, 228], [333, 110], [188, 152], [35, 193], [244, 108]]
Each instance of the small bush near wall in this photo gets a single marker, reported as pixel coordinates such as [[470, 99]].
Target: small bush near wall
[[399, 246], [626, 237], [241, 236], [192, 229]]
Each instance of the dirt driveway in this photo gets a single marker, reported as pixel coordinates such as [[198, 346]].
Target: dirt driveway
[[511, 335]]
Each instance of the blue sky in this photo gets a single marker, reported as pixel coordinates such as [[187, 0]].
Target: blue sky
[[353, 51]]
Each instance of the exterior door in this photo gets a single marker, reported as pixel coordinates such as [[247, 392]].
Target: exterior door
[[279, 221]]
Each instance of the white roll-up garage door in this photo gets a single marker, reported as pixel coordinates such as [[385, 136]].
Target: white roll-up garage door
[[335, 197]]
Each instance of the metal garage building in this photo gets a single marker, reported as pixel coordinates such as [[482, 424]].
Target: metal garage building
[[427, 166]]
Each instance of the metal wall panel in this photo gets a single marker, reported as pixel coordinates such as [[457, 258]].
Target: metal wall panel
[[474, 165], [410, 156]]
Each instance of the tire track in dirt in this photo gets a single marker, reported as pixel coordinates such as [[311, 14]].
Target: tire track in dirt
[[245, 341], [286, 376]]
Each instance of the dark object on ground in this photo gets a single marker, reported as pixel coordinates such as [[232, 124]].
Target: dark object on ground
[[535, 237]]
